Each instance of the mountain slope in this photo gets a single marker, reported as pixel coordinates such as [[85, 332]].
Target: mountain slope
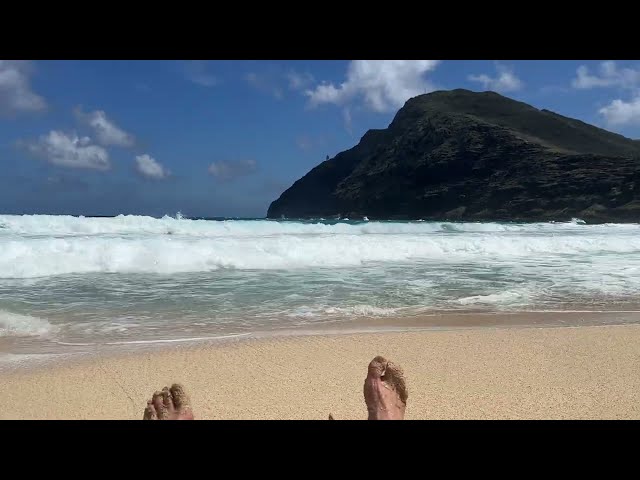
[[461, 155]]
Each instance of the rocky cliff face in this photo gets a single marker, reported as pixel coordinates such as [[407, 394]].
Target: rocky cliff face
[[460, 155]]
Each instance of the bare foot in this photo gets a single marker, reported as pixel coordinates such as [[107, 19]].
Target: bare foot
[[385, 390], [169, 404]]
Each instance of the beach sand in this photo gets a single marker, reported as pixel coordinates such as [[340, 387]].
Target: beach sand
[[484, 373]]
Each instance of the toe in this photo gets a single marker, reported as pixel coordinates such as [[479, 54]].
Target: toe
[[377, 367], [150, 412], [394, 378], [180, 398], [373, 382], [167, 400], [158, 404]]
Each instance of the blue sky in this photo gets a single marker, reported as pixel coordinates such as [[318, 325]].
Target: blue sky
[[225, 138]]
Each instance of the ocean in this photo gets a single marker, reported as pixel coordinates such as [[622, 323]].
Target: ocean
[[72, 284]]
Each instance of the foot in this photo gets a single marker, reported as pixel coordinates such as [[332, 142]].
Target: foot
[[385, 390], [169, 404]]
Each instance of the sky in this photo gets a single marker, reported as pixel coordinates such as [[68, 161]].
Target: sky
[[225, 138]]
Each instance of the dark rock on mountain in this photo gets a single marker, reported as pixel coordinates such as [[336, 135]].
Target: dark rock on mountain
[[460, 155]]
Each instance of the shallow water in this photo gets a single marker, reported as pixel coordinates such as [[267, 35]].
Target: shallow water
[[75, 280]]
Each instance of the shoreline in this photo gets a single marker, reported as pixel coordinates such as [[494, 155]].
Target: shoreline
[[19, 354], [487, 372], [32, 353]]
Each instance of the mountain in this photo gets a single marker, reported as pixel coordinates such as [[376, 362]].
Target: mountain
[[462, 155]]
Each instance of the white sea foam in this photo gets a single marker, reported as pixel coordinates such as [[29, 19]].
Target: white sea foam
[[64, 225], [12, 324], [500, 298], [256, 275], [350, 311], [40, 246]]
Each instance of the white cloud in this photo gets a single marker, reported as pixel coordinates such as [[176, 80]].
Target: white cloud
[[504, 81], [69, 150], [267, 82], [196, 72], [106, 131], [608, 75], [619, 112], [348, 121], [226, 170], [274, 81], [15, 91], [299, 81], [148, 167], [383, 85]]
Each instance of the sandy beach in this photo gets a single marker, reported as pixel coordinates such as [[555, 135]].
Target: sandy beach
[[485, 373]]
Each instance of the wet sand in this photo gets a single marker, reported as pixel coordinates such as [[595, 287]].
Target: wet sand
[[480, 373]]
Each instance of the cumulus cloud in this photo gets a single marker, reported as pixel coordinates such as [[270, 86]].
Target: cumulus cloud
[[348, 121], [148, 167], [619, 112], [504, 81], [106, 131], [382, 85], [608, 75], [196, 72], [229, 170], [70, 151], [16, 95], [299, 81], [275, 81]]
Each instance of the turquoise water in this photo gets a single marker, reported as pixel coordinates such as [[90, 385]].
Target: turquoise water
[[130, 278]]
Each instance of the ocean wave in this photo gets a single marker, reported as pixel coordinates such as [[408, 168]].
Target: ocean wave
[[497, 299], [13, 324], [344, 311], [65, 225], [46, 256]]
